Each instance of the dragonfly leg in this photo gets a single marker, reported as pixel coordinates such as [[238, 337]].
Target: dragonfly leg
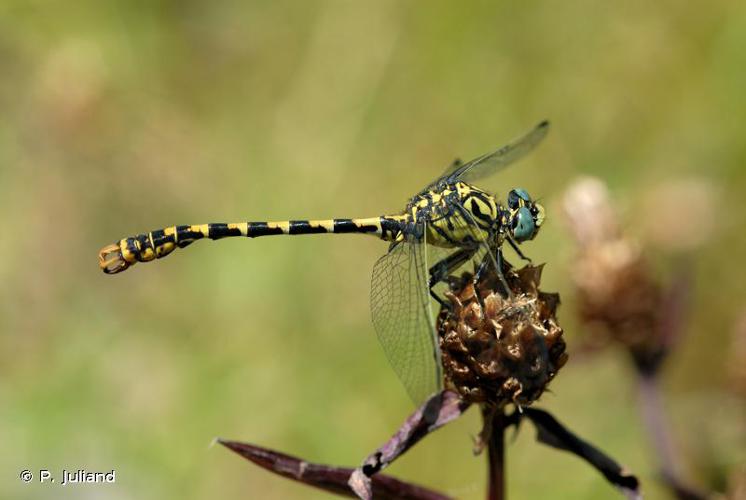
[[517, 250], [483, 267], [441, 270], [501, 262], [439, 299]]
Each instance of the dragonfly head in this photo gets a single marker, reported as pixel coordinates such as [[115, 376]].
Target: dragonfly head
[[525, 216]]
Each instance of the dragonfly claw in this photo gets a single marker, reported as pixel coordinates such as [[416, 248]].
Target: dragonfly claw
[[110, 259]]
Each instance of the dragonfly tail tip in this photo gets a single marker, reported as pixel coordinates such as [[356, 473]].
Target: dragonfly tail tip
[[110, 259]]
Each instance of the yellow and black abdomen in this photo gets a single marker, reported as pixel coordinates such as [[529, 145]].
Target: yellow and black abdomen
[[156, 244], [145, 247]]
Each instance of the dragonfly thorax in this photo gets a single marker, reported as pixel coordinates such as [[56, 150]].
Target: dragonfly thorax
[[456, 214]]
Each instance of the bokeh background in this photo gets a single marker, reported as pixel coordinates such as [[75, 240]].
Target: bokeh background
[[122, 117]]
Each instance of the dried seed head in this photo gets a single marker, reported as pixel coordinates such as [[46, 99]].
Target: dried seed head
[[616, 292], [497, 350]]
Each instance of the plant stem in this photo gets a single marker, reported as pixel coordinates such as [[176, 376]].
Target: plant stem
[[494, 432], [654, 418]]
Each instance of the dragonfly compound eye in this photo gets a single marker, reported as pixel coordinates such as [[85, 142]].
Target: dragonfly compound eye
[[518, 197], [524, 227]]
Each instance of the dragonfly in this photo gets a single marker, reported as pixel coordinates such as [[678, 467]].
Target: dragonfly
[[446, 225]]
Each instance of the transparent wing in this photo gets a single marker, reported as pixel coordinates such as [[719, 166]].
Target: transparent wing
[[402, 317], [495, 161], [436, 256]]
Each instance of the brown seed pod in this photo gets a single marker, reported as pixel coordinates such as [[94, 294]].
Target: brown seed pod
[[617, 294], [497, 349]]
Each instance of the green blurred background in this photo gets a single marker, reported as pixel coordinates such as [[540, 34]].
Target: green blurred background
[[122, 117]]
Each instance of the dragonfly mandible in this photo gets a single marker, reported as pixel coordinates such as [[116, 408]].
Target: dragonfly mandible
[[444, 226]]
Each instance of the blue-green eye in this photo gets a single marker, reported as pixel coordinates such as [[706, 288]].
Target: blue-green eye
[[523, 225], [516, 196]]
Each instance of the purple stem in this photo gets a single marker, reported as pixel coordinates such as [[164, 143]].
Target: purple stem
[[670, 331], [328, 478], [495, 423], [653, 415], [651, 408], [434, 413]]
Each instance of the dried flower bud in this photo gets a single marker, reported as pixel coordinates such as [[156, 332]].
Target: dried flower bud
[[497, 350], [615, 290]]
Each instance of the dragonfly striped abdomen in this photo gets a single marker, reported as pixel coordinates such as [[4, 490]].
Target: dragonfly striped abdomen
[[145, 247]]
